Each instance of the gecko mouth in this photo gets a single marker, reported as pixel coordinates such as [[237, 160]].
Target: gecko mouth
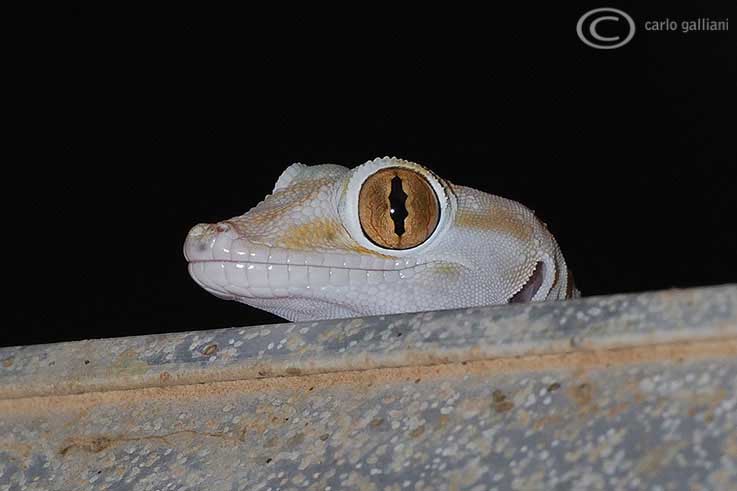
[[229, 265], [530, 288], [232, 279]]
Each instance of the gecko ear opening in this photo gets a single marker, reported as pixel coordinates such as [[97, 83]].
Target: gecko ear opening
[[528, 291]]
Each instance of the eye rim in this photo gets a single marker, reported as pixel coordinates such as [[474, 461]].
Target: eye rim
[[348, 205]]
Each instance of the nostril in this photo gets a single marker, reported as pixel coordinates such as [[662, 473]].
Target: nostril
[[206, 231], [209, 241], [199, 242]]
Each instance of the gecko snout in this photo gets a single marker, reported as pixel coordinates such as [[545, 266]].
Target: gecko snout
[[208, 241]]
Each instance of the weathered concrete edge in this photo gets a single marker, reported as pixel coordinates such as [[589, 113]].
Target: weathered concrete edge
[[594, 323]]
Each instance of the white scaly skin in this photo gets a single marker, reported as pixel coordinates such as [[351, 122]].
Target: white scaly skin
[[301, 253]]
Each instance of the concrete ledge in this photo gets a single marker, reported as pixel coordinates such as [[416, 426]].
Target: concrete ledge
[[619, 392], [593, 323]]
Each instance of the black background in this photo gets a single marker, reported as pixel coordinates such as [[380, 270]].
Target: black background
[[133, 128]]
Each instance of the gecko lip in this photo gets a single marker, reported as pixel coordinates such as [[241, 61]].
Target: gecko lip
[[311, 265], [228, 265], [271, 280], [205, 243]]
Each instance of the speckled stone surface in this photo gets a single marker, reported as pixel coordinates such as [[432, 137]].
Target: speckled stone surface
[[622, 392]]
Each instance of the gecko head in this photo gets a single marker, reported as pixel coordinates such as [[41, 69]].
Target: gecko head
[[388, 236]]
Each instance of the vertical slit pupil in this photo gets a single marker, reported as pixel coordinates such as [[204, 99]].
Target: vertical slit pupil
[[397, 210]]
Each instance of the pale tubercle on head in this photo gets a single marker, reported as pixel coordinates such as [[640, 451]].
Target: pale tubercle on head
[[388, 236]]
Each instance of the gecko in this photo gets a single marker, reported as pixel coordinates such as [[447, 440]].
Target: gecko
[[388, 236]]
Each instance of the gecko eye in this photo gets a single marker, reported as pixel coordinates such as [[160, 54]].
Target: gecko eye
[[397, 208]]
